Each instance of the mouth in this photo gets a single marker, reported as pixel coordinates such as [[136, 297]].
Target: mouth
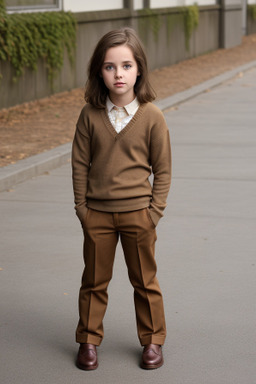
[[119, 84]]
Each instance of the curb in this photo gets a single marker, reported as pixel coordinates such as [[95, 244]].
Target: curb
[[181, 97], [34, 166], [44, 162]]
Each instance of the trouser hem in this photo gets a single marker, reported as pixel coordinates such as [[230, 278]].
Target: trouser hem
[[152, 339], [87, 338]]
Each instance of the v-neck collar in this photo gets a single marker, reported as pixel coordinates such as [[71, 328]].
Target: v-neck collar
[[127, 128]]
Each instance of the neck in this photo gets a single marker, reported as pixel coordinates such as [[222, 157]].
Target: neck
[[120, 101]]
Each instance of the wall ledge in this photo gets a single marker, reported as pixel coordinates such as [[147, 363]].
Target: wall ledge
[[117, 14]]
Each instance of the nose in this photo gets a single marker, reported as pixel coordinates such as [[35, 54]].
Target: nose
[[118, 73]]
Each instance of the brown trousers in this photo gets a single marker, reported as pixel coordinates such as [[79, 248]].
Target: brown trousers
[[138, 236]]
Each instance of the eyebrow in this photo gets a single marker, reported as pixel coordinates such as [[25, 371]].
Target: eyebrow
[[123, 62]]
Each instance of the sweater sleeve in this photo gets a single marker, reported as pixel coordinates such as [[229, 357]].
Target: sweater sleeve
[[80, 166], [160, 153]]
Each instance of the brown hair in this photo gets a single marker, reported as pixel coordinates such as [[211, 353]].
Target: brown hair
[[95, 90]]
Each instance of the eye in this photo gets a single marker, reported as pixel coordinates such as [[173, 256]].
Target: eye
[[109, 67], [127, 66]]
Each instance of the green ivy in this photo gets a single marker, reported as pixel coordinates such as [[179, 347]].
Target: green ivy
[[27, 37], [153, 19], [155, 22], [188, 16], [252, 11], [191, 21]]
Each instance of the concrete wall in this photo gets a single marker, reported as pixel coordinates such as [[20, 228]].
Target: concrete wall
[[231, 23], [88, 6], [164, 48], [168, 46], [251, 24]]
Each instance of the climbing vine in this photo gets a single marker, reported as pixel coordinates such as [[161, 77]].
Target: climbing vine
[[252, 11], [191, 21], [27, 37], [188, 16], [152, 20]]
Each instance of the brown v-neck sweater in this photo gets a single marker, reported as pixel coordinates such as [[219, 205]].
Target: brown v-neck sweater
[[111, 170]]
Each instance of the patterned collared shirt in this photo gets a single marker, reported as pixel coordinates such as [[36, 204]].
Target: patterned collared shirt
[[121, 116]]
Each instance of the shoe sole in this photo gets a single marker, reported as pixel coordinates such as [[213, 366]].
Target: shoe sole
[[153, 366], [85, 368]]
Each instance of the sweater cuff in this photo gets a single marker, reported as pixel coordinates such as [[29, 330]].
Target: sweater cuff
[[81, 212], [154, 216]]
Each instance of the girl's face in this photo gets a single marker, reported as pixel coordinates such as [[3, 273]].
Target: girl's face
[[119, 72]]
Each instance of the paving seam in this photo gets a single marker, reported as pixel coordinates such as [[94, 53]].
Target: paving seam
[[39, 164]]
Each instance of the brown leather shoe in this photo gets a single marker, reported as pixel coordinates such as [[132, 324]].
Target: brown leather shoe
[[152, 357], [87, 357]]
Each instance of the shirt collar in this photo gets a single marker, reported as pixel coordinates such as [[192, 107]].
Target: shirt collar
[[130, 108]]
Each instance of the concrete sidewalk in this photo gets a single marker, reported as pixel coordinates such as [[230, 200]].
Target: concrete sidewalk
[[205, 253], [36, 165]]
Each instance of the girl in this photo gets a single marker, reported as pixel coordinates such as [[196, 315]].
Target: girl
[[121, 137]]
